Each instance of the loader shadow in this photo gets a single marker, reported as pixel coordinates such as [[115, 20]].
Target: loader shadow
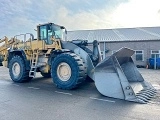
[[37, 81], [41, 79], [47, 83]]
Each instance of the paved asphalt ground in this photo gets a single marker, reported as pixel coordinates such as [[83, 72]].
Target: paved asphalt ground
[[41, 100]]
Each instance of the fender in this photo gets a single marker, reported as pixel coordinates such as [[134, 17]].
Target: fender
[[83, 54], [55, 53], [22, 54]]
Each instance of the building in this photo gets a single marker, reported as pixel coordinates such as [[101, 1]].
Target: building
[[145, 41]]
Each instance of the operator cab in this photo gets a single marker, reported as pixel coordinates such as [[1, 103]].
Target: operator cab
[[46, 31]]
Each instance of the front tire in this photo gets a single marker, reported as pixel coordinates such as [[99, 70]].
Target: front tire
[[68, 70], [17, 70]]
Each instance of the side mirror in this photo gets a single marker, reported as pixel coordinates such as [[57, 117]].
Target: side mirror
[[65, 31]]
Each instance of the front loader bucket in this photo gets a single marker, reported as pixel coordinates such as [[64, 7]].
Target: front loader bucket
[[118, 77]]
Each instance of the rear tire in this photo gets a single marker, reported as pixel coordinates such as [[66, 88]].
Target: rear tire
[[68, 70], [17, 70]]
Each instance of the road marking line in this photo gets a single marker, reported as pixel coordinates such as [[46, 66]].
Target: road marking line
[[102, 100], [63, 93], [15, 84], [34, 88]]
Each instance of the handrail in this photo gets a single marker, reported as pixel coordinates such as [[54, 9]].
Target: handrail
[[31, 38], [4, 39], [14, 41]]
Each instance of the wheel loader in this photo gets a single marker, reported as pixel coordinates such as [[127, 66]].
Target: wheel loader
[[70, 62]]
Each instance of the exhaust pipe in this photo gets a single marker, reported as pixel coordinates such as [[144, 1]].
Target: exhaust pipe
[[118, 77]]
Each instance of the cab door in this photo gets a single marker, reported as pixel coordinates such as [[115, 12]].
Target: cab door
[[45, 34]]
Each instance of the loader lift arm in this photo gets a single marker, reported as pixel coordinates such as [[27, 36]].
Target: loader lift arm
[[4, 45]]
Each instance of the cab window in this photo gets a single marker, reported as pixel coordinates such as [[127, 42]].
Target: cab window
[[43, 32]]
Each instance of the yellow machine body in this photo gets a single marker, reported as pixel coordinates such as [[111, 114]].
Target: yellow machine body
[[70, 62]]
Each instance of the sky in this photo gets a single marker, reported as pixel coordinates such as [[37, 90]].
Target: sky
[[22, 16]]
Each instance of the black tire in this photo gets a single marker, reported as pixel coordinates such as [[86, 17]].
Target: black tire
[[23, 76], [78, 70], [46, 75]]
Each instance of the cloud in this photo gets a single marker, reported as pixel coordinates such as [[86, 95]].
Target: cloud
[[23, 16], [137, 13], [13, 17], [134, 13]]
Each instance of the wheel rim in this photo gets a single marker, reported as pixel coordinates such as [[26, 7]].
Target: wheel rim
[[16, 69], [64, 71]]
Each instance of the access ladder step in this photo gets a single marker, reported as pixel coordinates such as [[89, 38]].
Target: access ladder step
[[34, 61], [33, 67]]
